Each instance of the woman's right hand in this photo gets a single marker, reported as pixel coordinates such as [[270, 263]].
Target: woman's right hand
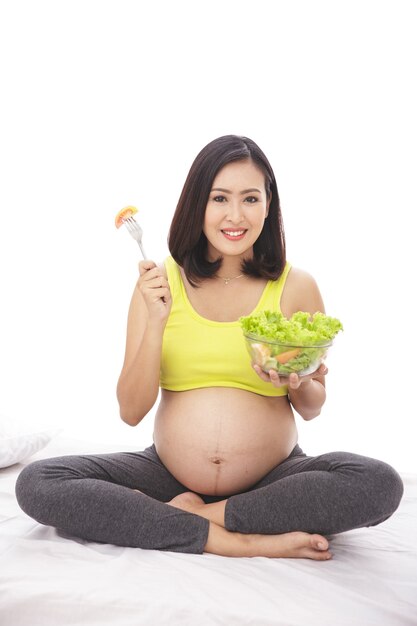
[[155, 290]]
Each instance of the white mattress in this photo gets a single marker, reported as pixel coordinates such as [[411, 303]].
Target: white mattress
[[47, 579]]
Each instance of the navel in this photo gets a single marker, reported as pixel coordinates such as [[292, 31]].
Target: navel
[[216, 460]]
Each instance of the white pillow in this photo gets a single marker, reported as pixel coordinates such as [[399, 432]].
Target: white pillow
[[17, 443]]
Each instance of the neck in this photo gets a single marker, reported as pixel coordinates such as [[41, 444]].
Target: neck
[[226, 271], [230, 266]]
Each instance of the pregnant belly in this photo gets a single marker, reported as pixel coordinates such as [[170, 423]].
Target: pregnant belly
[[220, 441]]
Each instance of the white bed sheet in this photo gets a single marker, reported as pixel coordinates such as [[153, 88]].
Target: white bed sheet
[[47, 579]]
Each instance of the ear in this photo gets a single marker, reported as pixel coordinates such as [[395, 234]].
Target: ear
[[268, 202]]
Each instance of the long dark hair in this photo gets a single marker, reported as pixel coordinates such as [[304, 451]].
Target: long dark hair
[[186, 241]]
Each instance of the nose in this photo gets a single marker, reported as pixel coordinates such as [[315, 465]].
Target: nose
[[234, 212]]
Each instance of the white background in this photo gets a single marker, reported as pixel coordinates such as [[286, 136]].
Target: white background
[[105, 104]]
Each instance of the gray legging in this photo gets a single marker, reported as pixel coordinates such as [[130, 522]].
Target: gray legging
[[92, 497]]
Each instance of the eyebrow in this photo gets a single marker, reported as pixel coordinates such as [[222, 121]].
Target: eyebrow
[[242, 192]]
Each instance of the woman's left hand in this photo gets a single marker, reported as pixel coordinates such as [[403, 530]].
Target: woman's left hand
[[293, 380]]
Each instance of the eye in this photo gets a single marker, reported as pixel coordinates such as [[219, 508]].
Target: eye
[[219, 199], [251, 199]]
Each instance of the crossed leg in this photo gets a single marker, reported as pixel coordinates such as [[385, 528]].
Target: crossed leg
[[222, 541], [304, 498], [288, 513]]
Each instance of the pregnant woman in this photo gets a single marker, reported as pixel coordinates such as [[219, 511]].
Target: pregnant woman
[[225, 473]]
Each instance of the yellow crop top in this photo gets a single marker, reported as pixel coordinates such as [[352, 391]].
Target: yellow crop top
[[198, 352]]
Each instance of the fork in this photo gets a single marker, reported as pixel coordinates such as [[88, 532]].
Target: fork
[[136, 231]]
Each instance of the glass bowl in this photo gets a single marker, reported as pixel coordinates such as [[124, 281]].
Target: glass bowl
[[286, 358]]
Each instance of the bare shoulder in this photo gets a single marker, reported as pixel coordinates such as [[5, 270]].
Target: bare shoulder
[[301, 293], [300, 279]]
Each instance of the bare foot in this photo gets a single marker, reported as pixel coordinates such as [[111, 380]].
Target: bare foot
[[187, 501], [295, 544], [290, 545]]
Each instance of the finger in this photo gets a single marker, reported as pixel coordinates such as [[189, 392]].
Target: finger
[[161, 293], [320, 371], [154, 288], [153, 273], [275, 379], [260, 372], [294, 380], [153, 282], [145, 266]]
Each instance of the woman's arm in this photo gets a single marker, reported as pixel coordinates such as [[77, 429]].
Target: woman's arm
[[307, 394], [138, 384]]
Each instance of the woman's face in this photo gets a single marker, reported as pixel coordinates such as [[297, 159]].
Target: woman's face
[[236, 210]]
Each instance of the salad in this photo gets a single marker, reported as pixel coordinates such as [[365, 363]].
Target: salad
[[296, 344]]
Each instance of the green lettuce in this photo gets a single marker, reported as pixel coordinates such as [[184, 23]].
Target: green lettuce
[[309, 335], [300, 329]]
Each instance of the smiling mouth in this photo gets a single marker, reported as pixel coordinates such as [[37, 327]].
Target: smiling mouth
[[234, 234]]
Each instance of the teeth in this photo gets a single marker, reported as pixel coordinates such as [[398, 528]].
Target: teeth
[[234, 233]]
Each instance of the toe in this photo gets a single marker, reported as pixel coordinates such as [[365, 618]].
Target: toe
[[319, 543]]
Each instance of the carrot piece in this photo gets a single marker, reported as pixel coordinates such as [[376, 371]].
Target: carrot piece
[[287, 356]]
